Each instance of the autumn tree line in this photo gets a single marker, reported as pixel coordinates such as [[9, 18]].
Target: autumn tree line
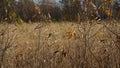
[[70, 10]]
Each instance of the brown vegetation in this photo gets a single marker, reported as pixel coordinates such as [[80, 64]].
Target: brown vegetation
[[72, 10], [61, 45], [85, 42]]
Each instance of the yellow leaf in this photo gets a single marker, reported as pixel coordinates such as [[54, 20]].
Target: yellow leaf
[[101, 33], [70, 33]]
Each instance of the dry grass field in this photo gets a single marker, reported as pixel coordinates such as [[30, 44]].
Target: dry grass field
[[60, 45]]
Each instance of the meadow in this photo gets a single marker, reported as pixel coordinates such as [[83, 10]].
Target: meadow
[[88, 44]]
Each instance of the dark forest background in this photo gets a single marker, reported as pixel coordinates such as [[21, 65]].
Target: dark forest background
[[70, 10]]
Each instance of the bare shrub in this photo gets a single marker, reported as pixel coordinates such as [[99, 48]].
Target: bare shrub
[[77, 45], [7, 39]]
